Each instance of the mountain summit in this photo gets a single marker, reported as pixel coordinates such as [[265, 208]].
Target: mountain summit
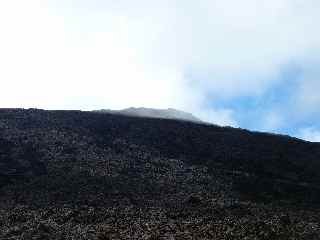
[[169, 113]]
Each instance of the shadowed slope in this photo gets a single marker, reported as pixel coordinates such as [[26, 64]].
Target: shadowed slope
[[63, 164]]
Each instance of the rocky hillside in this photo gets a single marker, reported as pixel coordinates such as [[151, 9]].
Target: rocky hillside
[[89, 175]]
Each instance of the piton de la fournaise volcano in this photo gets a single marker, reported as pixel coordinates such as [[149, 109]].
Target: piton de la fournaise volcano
[[152, 174]]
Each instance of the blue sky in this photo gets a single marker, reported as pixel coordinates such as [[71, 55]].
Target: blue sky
[[250, 64]]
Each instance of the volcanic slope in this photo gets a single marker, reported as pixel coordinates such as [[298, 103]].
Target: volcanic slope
[[91, 175]]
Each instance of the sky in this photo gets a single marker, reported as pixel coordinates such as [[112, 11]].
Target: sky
[[251, 64]]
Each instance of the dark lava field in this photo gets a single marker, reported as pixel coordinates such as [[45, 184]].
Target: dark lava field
[[89, 175]]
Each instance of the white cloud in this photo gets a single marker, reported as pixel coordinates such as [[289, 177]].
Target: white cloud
[[272, 121], [116, 54], [307, 96], [222, 117], [310, 134]]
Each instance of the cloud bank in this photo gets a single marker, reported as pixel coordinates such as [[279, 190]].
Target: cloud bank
[[310, 134], [204, 57]]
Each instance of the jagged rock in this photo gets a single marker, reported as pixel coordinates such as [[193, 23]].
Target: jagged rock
[[193, 200], [285, 220]]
